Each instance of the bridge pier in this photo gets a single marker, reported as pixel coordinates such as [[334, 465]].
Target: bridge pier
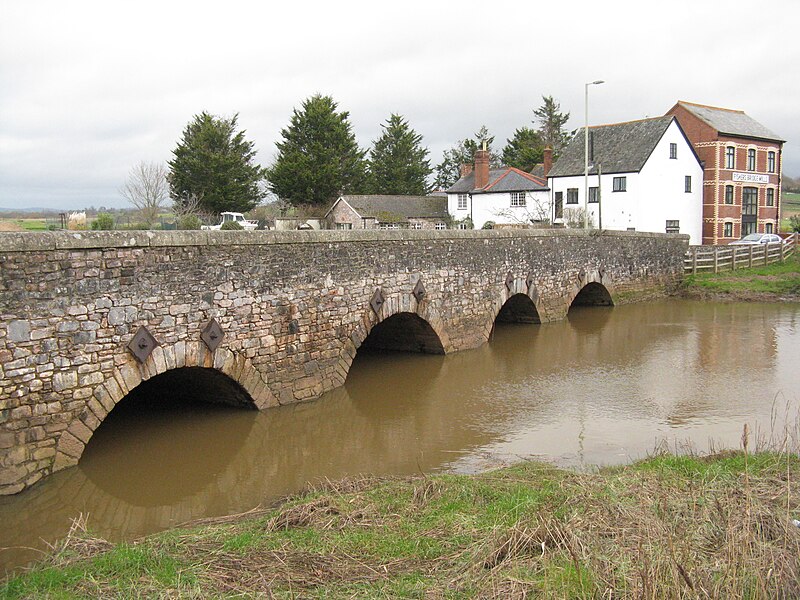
[[292, 307]]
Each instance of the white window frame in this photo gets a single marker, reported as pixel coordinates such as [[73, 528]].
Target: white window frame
[[463, 200], [440, 226], [518, 199], [673, 226], [730, 157]]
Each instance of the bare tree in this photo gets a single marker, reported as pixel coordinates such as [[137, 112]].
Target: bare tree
[[147, 189], [536, 213]]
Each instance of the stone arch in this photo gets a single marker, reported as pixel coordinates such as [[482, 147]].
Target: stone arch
[[395, 304], [594, 289], [519, 308], [526, 298], [127, 376]]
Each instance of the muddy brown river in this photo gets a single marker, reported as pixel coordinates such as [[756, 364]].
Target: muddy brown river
[[606, 386]]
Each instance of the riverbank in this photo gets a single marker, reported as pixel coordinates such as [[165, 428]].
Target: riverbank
[[667, 527], [779, 282]]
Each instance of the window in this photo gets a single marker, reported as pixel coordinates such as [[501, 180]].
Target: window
[[344, 226], [767, 227], [389, 226], [771, 162], [751, 159], [727, 230], [572, 195], [620, 184], [462, 202], [730, 157], [463, 225], [750, 201], [517, 198], [673, 150], [770, 196], [728, 194], [687, 184], [439, 226], [416, 225], [673, 226], [593, 195], [559, 205], [748, 227]]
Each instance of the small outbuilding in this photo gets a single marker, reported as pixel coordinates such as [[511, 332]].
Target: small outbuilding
[[388, 212]]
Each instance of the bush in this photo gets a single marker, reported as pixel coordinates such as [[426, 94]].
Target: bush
[[231, 226], [104, 221], [488, 225], [794, 223], [186, 222]]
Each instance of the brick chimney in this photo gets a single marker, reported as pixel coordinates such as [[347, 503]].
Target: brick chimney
[[548, 160], [481, 168], [466, 169]]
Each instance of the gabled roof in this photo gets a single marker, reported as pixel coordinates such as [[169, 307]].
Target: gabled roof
[[617, 148], [395, 209], [730, 122], [506, 179]]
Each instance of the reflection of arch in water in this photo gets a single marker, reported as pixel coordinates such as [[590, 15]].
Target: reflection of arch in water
[[127, 377], [171, 422]]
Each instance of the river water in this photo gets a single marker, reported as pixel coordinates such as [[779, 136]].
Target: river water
[[605, 386]]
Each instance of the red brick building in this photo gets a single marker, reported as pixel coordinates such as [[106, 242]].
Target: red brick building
[[741, 171]]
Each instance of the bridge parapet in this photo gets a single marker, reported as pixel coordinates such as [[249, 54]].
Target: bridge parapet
[[293, 308]]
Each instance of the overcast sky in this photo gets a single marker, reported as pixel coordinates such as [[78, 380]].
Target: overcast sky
[[90, 88]]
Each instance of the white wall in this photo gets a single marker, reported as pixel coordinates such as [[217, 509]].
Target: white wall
[[497, 207], [653, 196]]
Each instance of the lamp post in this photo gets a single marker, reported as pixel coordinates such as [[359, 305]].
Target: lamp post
[[586, 155]]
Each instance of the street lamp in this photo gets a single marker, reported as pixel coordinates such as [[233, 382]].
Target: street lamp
[[586, 155]]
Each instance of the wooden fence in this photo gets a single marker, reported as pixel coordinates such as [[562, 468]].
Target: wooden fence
[[713, 259]]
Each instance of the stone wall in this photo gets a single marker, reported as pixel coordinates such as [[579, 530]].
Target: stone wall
[[294, 308]]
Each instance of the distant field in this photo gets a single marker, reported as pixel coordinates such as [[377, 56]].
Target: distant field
[[23, 225], [791, 206]]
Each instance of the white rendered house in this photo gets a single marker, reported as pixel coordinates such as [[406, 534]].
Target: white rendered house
[[643, 176], [505, 197]]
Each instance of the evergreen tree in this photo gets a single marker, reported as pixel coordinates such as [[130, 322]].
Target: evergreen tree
[[551, 125], [398, 163], [214, 164], [318, 158], [463, 153], [525, 150]]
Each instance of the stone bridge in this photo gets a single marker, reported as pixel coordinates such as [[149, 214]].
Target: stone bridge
[[267, 318]]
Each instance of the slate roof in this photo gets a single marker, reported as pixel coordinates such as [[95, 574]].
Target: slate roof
[[618, 148], [730, 122], [396, 209], [506, 179]]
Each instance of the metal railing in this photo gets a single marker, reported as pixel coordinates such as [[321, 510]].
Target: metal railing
[[713, 259]]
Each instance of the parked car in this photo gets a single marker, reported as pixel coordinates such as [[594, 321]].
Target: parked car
[[757, 238], [233, 216]]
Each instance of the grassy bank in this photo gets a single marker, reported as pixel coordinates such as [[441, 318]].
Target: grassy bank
[[779, 281], [667, 527]]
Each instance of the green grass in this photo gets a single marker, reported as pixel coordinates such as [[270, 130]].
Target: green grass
[[778, 279], [719, 522]]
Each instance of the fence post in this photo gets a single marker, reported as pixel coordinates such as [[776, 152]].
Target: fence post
[[716, 259], [694, 261], [750, 258], [766, 254]]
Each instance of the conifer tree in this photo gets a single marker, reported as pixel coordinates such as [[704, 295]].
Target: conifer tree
[[318, 158], [449, 170], [215, 164], [525, 150], [551, 125], [398, 162]]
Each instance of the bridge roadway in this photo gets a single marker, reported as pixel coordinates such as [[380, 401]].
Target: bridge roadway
[[268, 318]]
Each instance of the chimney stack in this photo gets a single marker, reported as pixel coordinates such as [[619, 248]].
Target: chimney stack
[[466, 169], [481, 168], [548, 160]]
